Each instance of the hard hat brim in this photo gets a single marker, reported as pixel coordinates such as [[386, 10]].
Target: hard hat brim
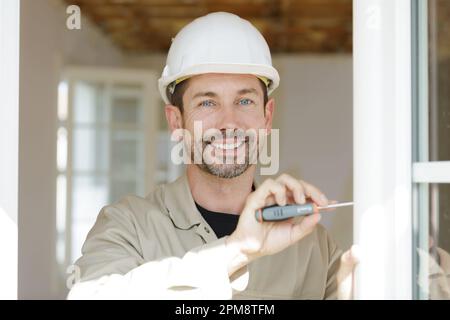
[[266, 71]]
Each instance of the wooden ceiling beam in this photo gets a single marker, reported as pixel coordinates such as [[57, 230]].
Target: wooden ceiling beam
[[287, 25]]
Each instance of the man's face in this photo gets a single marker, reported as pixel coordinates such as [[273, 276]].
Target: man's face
[[231, 104]]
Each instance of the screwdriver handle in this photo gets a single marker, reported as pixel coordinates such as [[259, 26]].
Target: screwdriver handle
[[278, 213]]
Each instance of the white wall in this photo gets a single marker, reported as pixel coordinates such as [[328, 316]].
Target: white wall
[[314, 115], [46, 46]]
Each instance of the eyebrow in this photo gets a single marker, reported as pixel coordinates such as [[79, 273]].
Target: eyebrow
[[248, 90], [205, 94], [214, 95]]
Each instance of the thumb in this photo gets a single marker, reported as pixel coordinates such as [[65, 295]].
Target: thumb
[[349, 260]]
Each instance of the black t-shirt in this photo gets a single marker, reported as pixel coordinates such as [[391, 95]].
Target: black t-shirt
[[223, 224]]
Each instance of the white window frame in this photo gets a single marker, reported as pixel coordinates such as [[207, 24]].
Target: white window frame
[[382, 148], [426, 174], [110, 76], [431, 172], [9, 145], [392, 169]]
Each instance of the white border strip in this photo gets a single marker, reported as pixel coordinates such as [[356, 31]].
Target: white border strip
[[382, 148], [431, 172], [9, 145]]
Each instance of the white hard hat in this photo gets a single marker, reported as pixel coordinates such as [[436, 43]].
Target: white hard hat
[[219, 42]]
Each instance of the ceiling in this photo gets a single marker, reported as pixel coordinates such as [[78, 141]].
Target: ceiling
[[289, 26]]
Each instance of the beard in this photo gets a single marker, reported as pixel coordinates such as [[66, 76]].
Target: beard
[[227, 171], [222, 168]]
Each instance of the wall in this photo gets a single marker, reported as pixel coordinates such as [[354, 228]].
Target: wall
[[46, 46], [314, 115]]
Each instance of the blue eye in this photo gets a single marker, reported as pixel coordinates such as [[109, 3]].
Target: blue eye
[[245, 101], [206, 103]]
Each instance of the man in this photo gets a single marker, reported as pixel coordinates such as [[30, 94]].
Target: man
[[197, 238]]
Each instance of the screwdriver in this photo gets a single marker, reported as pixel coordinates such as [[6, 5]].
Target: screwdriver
[[278, 213]]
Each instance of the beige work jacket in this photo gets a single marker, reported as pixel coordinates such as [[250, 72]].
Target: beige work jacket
[[160, 247]]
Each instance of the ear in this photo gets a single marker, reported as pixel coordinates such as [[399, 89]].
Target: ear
[[174, 117], [269, 108]]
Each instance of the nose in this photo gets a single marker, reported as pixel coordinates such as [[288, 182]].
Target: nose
[[228, 118]]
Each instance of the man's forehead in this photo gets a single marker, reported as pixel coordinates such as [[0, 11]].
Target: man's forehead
[[216, 81]]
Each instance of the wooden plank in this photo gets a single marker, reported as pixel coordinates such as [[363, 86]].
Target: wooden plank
[[287, 25]]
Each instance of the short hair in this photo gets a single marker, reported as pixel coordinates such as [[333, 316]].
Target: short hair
[[176, 98]]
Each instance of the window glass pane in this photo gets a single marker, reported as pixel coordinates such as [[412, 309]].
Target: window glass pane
[[167, 170], [90, 149], [126, 102], [126, 110], [127, 152], [432, 131], [444, 216], [106, 131], [439, 80], [434, 263], [89, 102], [61, 202], [89, 195], [80, 229], [61, 159], [122, 187], [127, 87], [63, 95]]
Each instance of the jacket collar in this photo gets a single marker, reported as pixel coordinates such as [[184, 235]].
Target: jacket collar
[[180, 203]]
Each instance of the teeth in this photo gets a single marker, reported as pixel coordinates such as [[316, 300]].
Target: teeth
[[228, 146]]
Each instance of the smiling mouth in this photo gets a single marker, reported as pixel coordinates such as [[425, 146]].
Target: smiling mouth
[[227, 146], [227, 143]]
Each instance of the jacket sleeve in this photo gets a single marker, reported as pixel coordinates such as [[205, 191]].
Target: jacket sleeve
[[438, 274], [112, 267]]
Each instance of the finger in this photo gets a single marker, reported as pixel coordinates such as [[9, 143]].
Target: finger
[[290, 198], [268, 188], [349, 260], [305, 227], [294, 186], [355, 254], [314, 193], [270, 201]]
